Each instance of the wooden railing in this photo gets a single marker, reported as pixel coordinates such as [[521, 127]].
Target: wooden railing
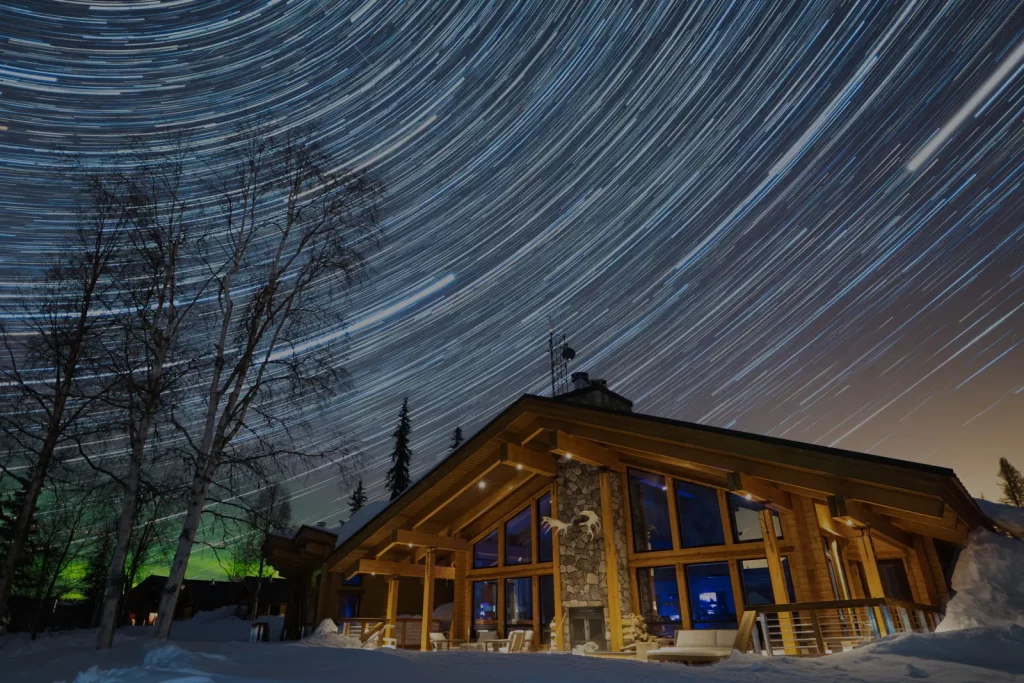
[[406, 632], [817, 628]]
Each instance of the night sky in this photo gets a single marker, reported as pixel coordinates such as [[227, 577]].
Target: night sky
[[732, 209]]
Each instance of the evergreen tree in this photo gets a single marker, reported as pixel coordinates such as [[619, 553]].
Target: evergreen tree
[[456, 438], [398, 476], [1012, 483], [357, 499]]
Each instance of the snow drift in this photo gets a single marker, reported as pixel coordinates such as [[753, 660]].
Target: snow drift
[[989, 584], [326, 635]]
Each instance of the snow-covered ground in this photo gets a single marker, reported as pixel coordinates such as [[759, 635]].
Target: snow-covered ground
[[982, 639]]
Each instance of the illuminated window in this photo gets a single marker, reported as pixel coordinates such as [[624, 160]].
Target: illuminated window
[[659, 599], [709, 587], [485, 552], [700, 518], [746, 519], [757, 582], [648, 500], [544, 553], [518, 603], [485, 606], [517, 539]]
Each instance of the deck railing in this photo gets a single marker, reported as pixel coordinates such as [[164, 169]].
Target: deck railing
[[406, 632], [817, 628]]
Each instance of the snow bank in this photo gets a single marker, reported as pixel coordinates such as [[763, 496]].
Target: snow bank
[[1006, 516], [989, 584], [326, 635], [222, 626]]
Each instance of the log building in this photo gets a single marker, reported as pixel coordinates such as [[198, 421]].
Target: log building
[[576, 511]]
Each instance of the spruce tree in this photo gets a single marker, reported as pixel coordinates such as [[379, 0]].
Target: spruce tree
[[1012, 483], [398, 476], [456, 438], [357, 499]]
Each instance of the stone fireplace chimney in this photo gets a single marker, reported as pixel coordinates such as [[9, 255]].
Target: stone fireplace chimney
[[595, 392]]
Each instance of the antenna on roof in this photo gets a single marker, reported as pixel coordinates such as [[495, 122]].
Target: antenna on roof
[[561, 355]]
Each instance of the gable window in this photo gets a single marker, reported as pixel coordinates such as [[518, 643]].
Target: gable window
[[746, 519], [544, 552], [648, 501], [517, 539], [485, 552], [700, 519]]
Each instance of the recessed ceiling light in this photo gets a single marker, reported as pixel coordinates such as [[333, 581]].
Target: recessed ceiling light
[[748, 496], [482, 484]]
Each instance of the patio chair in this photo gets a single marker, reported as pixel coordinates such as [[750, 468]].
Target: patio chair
[[515, 642], [484, 636], [528, 641], [438, 641]]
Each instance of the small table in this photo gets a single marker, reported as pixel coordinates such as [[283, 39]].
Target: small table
[[496, 643]]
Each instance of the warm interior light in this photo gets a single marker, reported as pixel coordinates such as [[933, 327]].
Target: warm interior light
[[482, 484], [748, 496], [568, 456], [519, 466], [849, 522], [410, 545]]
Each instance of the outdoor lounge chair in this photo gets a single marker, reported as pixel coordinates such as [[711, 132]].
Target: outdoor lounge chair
[[697, 646], [528, 641], [515, 642], [438, 641]]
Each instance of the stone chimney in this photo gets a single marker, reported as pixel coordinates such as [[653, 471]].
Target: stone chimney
[[595, 392]]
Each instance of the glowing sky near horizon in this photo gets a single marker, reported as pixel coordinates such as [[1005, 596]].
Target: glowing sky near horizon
[[797, 219]]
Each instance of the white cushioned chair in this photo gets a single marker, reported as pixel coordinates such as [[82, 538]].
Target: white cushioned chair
[[698, 645]]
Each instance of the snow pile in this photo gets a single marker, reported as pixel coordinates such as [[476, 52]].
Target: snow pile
[[220, 626], [989, 584], [357, 521], [1006, 516], [326, 635]]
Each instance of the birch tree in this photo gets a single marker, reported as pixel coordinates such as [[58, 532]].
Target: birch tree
[[291, 233]]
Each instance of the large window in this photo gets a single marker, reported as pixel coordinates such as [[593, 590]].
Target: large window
[[746, 519], [518, 603], [659, 599], [348, 606], [546, 587], [648, 500], [700, 518], [709, 587], [544, 553], [485, 552], [517, 539], [485, 606], [757, 582]]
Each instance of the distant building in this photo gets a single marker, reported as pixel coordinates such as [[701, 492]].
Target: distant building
[[701, 526], [198, 595]]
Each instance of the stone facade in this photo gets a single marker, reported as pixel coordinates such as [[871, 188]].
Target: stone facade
[[583, 572]]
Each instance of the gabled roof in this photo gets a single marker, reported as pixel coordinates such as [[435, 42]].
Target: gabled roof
[[673, 441]]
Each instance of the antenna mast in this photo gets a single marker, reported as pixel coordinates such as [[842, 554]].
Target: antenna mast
[[561, 355]]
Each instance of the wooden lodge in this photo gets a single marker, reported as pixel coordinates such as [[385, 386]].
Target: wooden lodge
[[518, 527]]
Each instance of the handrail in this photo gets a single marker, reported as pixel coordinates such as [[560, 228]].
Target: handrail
[[842, 604]]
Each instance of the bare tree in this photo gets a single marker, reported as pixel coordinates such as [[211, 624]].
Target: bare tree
[[46, 362], [270, 513], [289, 235], [154, 303]]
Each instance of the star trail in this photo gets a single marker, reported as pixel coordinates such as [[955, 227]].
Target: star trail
[[796, 219]]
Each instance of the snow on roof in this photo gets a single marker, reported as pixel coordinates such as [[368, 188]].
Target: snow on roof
[[357, 521], [1006, 516]]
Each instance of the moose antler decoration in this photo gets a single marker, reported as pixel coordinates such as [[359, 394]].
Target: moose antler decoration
[[588, 519]]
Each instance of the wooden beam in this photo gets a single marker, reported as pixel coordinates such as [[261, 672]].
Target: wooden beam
[[584, 450], [806, 482], [415, 571], [556, 566], [872, 577], [428, 600], [852, 513], [392, 608], [507, 504], [493, 497], [526, 459], [611, 563], [464, 485], [760, 491], [421, 539], [778, 578]]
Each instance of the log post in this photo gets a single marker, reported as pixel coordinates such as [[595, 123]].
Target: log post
[[428, 600]]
